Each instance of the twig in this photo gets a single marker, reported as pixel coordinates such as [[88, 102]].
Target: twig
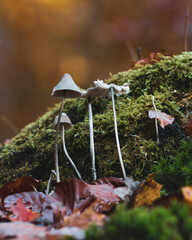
[[156, 126]]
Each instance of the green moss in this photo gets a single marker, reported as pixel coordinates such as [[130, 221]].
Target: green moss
[[176, 171], [141, 223], [32, 150]]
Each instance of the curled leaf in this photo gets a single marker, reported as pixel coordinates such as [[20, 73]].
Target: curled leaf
[[147, 192], [164, 118]]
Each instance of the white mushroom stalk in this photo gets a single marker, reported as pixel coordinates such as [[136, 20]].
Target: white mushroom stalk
[[102, 89], [156, 125], [92, 146], [67, 155], [56, 142]]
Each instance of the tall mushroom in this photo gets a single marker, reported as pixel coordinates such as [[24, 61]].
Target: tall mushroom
[[103, 89], [66, 88], [65, 124]]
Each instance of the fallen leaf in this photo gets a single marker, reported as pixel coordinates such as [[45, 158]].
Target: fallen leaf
[[22, 184], [50, 208], [32, 200], [85, 219], [152, 58], [69, 192], [21, 213], [164, 118], [147, 192], [116, 182], [104, 192]]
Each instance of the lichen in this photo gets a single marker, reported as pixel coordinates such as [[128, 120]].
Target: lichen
[[31, 152]]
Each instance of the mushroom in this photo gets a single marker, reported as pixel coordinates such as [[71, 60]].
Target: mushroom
[[66, 88], [65, 124], [102, 89]]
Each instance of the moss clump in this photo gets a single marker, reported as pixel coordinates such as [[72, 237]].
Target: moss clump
[[176, 171], [32, 150], [141, 223]]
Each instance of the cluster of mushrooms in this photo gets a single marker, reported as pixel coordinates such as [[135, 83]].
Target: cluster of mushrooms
[[67, 88]]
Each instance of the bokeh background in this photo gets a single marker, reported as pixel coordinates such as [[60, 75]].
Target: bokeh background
[[40, 40]]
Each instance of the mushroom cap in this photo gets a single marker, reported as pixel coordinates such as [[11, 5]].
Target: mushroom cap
[[66, 88], [65, 120]]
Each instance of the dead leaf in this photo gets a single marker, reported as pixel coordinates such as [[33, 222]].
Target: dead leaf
[[22, 184], [32, 200], [147, 192], [153, 58], [50, 208], [164, 118], [69, 192], [104, 192], [85, 219], [116, 182], [21, 213]]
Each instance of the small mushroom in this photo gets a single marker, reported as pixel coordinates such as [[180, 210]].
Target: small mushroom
[[66, 88], [65, 124], [102, 89]]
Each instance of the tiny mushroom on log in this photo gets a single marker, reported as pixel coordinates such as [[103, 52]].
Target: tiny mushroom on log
[[66, 88], [65, 124], [102, 89]]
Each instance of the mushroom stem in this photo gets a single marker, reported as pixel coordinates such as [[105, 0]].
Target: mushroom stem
[[49, 181], [56, 142], [156, 126], [116, 135], [67, 155], [92, 148]]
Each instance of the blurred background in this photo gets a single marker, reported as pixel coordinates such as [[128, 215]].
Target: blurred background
[[40, 40]]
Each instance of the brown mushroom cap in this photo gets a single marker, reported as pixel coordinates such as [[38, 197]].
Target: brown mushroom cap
[[64, 121], [66, 88]]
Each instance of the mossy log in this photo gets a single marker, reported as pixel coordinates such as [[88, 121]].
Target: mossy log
[[31, 152]]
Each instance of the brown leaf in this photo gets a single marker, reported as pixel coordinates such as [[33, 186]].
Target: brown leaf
[[32, 200], [22, 184], [21, 213], [147, 192], [104, 192], [116, 182], [85, 219], [153, 58], [69, 192], [51, 209]]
